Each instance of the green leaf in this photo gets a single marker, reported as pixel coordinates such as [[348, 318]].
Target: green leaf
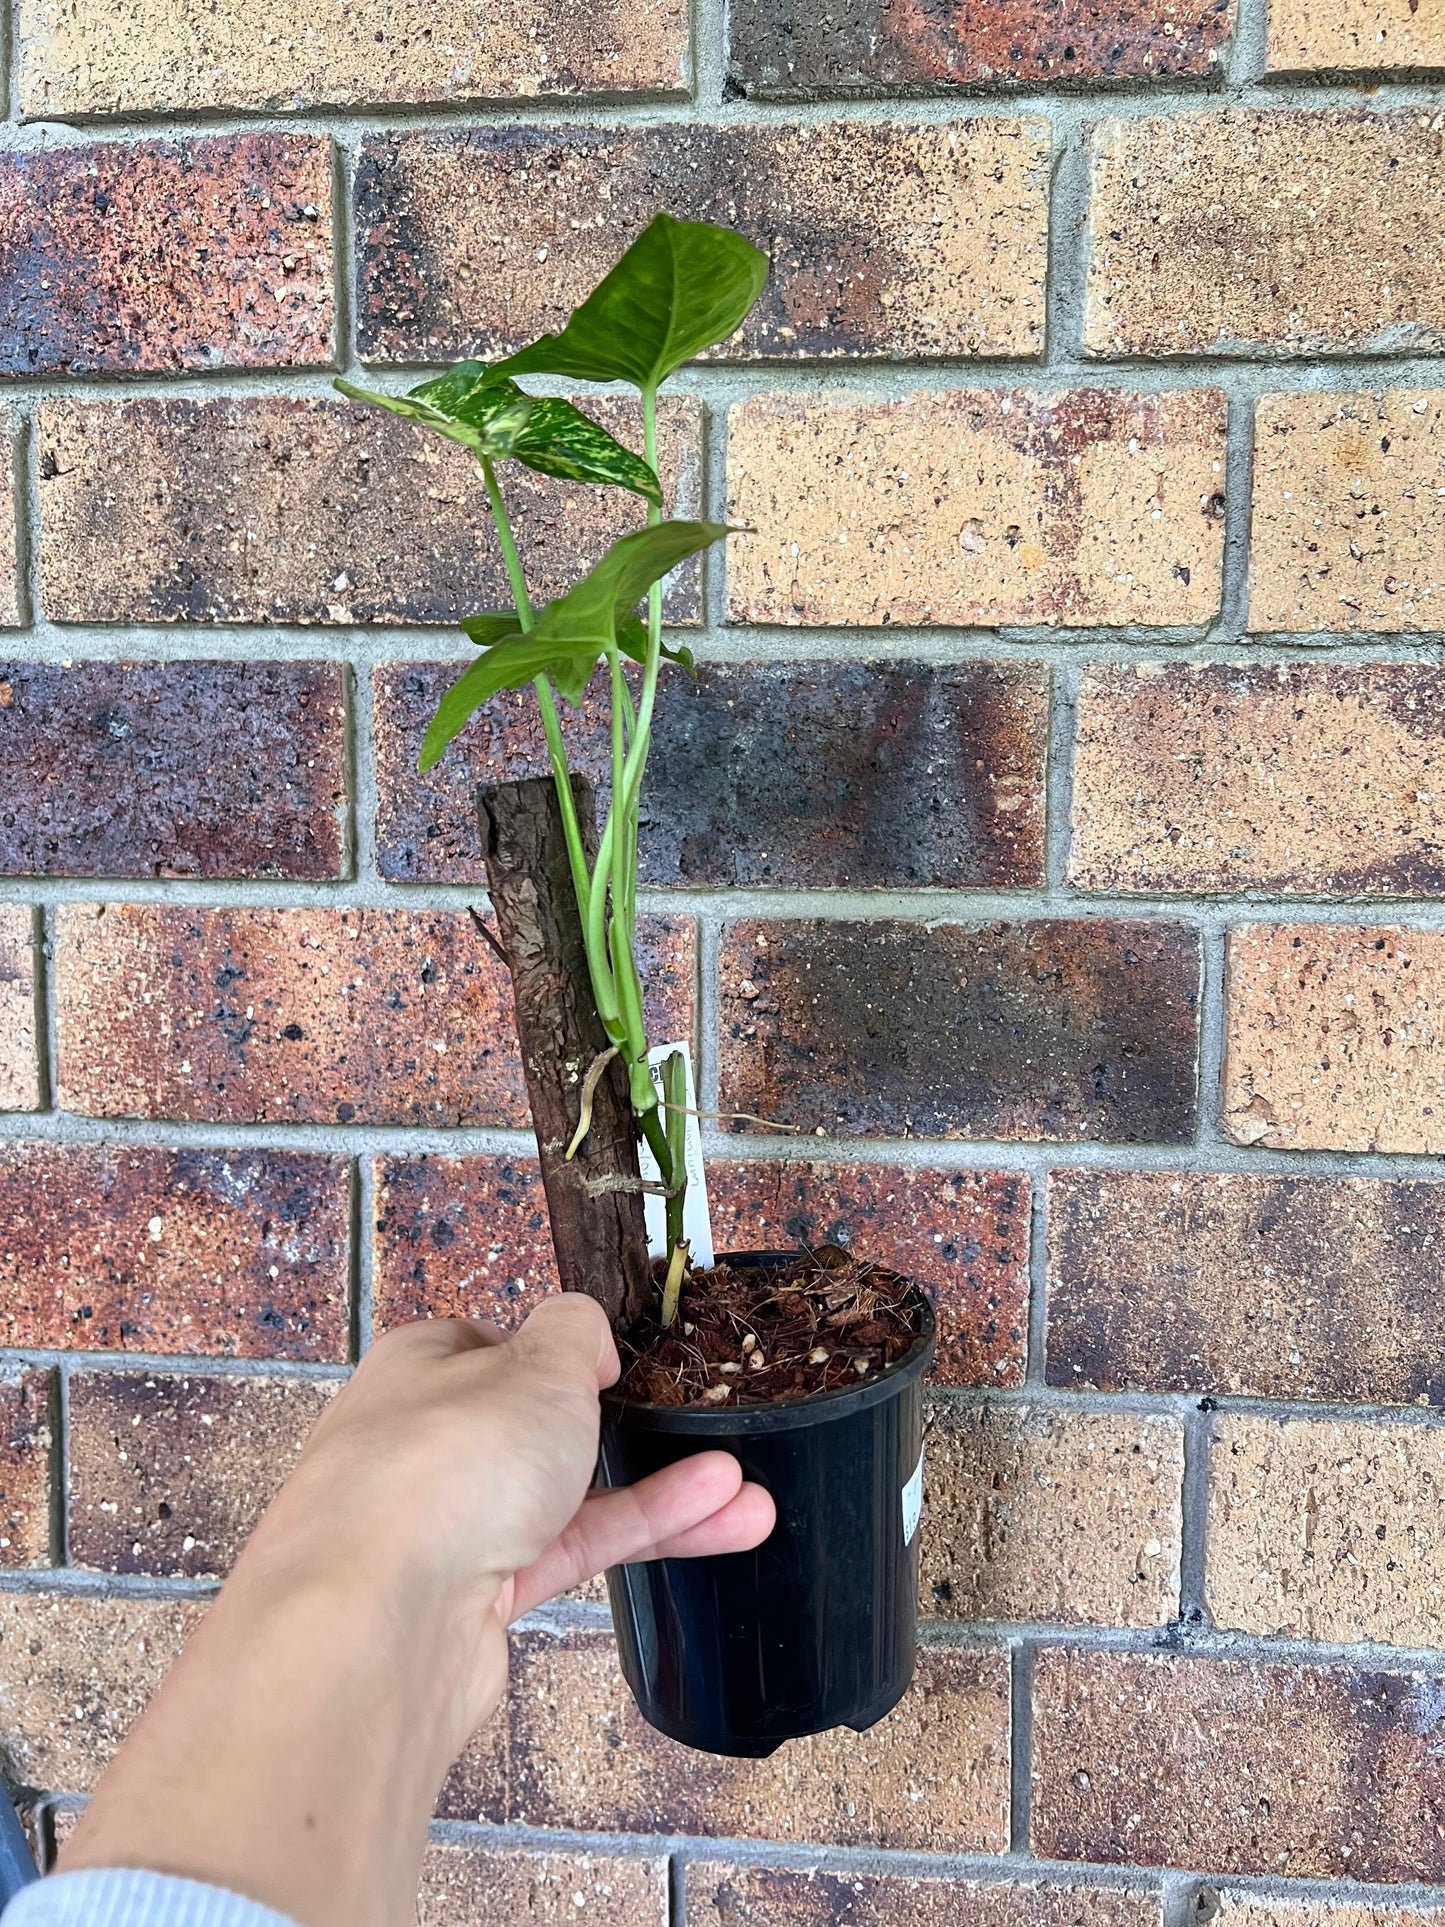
[[681, 287], [632, 641], [510, 663], [490, 628], [560, 440], [589, 617], [469, 405]]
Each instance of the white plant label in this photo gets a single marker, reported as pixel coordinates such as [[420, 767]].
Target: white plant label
[[696, 1219], [913, 1502]]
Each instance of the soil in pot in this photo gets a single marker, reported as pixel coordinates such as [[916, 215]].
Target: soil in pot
[[744, 1335]]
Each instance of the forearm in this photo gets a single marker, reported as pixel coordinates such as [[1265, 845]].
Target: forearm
[[296, 1750]]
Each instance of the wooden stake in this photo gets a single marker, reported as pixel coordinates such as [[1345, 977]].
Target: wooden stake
[[594, 1199]]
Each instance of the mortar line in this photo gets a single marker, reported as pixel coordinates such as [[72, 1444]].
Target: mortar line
[[1139, 96], [367, 799], [1064, 680], [343, 252], [1232, 624], [1212, 1037], [18, 433], [708, 1044], [1036, 1341], [1247, 58], [1067, 240], [40, 1006], [1021, 1719], [62, 1463], [1177, 1896], [676, 1876], [708, 55], [352, 823], [361, 1253], [1194, 1516]]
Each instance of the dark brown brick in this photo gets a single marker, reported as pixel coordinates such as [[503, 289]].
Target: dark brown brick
[[140, 769], [880, 46], [324, 1016], [812, 776], [19, 1043], [953, 265], [468, 1237], [1223, 1767], [1047, 1030], [263, 509], [461, 1886], [169, 1475], [131, 1248], [933, 1775], [963, 1235], [25, 1444], [720, 1895], [146, 255], [1272, 1287], [76, 1672]]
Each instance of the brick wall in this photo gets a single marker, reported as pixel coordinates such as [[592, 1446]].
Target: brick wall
[[1056, 834]]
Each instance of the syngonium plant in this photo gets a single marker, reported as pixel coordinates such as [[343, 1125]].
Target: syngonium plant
[[682, 287]]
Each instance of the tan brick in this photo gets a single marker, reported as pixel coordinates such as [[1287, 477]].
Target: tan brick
[[133, 1248], [720, 1895], [1337, 793], [1293, 232], [1328, 1530], [1220, 1766], [327, 1016], [977, 507], [1251, 1910], [19, 1044], [10, 614], [1031, 1513], [1272, 1287], [461, 1886], [886, 238], [75, 1674], [1333, 1039], [213, 252], [1348, 512], [169, 1475], [147, 56], [269, 509], [932, 1776], [25, 1452], [1342, 34]]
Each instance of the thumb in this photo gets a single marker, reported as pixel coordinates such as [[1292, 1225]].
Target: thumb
[[568, 1336]]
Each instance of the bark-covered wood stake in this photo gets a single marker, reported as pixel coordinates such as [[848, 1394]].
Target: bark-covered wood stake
[[594, 1199]]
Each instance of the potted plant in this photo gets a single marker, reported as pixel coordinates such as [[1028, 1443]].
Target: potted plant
[[806, 1366]]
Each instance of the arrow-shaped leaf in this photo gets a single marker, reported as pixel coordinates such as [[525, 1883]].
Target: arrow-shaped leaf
[[560, 440], [510, 663], [681, 287], [589, 616]]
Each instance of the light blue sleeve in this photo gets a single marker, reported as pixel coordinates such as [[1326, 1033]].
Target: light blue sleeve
[[99, 1897]]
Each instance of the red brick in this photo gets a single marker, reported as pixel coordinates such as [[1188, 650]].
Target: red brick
[[721, 1895], [1333, 1040], [322, 1016], [268, 509], [873, 47], [1269, 1287], [859, 775], [19, 1043], [25, 1450], [462, 1885], [977, 507], [1225, 1767], [468, 1237], [139, 256], [933, 1775], [163, 56], [1046, 1030], [1266, 228], [169, 1475], [76, 1672], [1033, 1513], [130, 1248], [1337, 795], [139, 769], [448, 227]]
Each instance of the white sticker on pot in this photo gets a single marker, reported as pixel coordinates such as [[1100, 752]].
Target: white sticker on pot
[[696, 1219], [913, 1502]]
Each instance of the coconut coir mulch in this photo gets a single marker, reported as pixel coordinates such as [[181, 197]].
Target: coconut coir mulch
[[746, 1336]]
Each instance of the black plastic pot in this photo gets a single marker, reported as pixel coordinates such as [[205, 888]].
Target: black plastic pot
[[816, 1628]]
